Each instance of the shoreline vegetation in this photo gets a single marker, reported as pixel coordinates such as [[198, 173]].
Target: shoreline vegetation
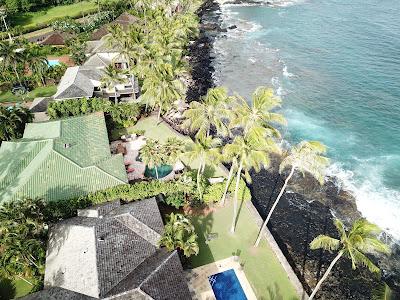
[[297, 220]]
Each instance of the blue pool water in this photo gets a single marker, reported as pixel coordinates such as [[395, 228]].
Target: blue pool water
[[53, 62], [226, 286], [336, 66]]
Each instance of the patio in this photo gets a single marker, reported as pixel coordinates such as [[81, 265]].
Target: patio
[[200, 286]]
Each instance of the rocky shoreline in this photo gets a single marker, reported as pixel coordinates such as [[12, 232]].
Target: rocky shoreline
[[307, 209]]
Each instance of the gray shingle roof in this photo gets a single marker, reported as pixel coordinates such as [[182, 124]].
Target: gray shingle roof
[[56, 293], [77, 83], [97, 61], [110, 252]]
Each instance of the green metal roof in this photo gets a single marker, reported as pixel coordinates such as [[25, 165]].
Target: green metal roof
[[59, 160]]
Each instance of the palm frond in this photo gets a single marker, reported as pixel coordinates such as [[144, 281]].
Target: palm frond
[[325, 242]]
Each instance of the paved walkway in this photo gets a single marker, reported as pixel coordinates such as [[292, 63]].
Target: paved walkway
[[201, 288], [281, 257]]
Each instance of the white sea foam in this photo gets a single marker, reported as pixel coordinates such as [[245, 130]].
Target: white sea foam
[[377, 203], [252, 60], [285, 3], [285, 72]]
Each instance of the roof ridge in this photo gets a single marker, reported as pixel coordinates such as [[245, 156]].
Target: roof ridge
[[144, 227], [88, 167], [23, 179], [157, 269]]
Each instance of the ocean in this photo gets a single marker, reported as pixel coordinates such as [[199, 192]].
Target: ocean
[[336, 66]]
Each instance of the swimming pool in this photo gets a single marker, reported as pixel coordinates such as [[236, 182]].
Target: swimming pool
[[226, 286], [53, 62]]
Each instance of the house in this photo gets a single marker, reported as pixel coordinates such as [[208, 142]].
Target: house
[[79, 82], [86, 82], [110, 251], [124, 20], [60, 160], [52, 38]]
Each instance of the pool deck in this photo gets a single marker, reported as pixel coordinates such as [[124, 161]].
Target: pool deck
[[201, 288]]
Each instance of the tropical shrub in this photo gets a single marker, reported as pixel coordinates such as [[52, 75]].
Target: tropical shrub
[[214, 192], [122, 114], [23, 238], [12, 122], [176, 200], [179, 234]]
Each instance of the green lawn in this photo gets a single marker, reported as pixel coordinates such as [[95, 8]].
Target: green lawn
[[13, 289], [43, 91], [263, 270], [161, 131], [47, 15]]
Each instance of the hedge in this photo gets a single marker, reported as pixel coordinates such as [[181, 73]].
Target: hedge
[[215, 191]]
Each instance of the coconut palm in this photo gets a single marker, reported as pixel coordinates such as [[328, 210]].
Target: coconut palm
[[205, 150], [162, 88], [179, 233], [257, 119], [23, 239], [3, 15], [152, 155], [173, 148], [36, 62], [11, 55], [12, 122], [231, 158], [111, 77], [248, 153], [354, 244], [307, 157], [201, 116]]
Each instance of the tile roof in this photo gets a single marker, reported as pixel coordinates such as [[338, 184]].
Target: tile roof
[[59, 160], [124, 20], [101, 257], [77, 82]]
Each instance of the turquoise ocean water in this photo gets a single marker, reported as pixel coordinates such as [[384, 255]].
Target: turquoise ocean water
[[336, 65]]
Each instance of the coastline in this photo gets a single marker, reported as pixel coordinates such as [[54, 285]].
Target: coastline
[[299, 210]]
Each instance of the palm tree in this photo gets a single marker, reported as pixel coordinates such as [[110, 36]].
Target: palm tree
[[173, 148], [201, 116], [12, 122], [256, 120], [179, 233], [307, 157], [37, 62], [111, 77], [123, 42], [249, 153], [152, 154], [23, 235], [162, 88], [206, 151], [228, 157], [354, 244], [3, 15], [11, 55]]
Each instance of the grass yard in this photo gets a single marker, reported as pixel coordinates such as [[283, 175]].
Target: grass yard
[[47, 15], [161, 131], [13, 289], [263, 270], [43, 91]]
